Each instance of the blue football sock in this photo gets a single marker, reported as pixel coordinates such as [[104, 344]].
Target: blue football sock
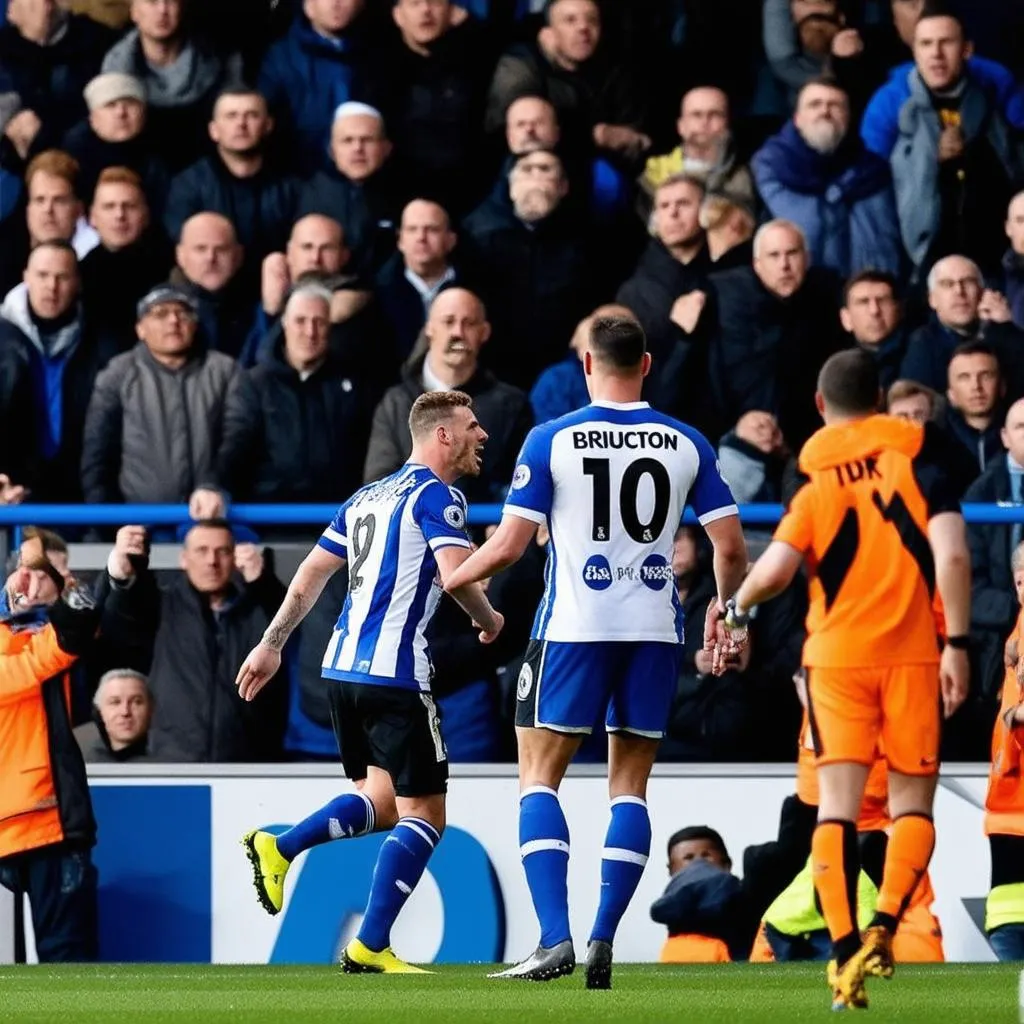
[[349, 815], [400, 865], [627, 846], [544, 848]]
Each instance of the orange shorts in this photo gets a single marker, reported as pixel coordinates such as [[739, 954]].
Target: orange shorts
[[854, 712]]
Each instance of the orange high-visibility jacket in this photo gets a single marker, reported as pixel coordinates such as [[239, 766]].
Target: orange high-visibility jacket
[[44, 794]]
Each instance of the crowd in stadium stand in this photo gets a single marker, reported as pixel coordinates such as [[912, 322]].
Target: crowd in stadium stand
[[239, 237]]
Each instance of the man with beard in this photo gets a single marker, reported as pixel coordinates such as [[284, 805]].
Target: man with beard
[[535, 267], [237, 181], [819, 176], [446, 358]]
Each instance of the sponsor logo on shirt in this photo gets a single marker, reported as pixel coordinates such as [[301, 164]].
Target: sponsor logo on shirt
[[597, 573], [655, 572]]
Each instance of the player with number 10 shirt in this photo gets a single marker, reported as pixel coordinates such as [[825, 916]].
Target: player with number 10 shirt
[[610, 482]]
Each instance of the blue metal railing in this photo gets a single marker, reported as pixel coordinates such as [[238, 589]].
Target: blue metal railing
[[293, 515]]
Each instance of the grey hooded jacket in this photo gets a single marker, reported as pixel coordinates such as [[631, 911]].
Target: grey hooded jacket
[[154, 434]]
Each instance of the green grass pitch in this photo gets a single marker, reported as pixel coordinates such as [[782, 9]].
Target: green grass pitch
[[162, 994]]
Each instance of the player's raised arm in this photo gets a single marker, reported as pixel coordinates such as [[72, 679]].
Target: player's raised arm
[[503, 548], [304, 591]]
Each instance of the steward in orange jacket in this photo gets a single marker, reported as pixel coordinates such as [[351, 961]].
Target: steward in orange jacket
[[47, 827]]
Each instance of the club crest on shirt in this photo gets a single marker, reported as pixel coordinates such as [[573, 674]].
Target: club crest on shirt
[[455, 517], [525, 682], [521, 477]]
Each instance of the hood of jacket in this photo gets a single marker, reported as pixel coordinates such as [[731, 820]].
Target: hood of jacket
[[15, 309], [203, 69], [838, 443]]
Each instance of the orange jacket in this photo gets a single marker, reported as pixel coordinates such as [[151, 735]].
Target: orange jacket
[[44, 795], [1004, 803], [694, 949]]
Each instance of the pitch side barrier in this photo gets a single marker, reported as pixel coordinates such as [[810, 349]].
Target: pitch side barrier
[[18, 516]]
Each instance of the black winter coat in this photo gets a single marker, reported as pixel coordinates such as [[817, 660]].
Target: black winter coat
[[537, 284], [766, 352], [191, 656], [297, 440]]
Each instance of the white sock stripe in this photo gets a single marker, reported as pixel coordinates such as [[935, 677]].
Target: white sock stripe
[[423, 823], [417, 826], [639, 801], [371, 813], [628, 856], [537, 845], [531, 790]]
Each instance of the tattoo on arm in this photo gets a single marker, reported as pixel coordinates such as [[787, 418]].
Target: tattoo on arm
[[302, 595]]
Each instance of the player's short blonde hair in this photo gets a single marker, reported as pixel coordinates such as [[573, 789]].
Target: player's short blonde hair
[[433, 408]]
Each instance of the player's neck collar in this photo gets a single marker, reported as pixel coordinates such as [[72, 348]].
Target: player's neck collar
[[606, 403]]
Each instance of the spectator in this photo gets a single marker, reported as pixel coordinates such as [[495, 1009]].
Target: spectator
[[121, 712], [316, 247], [994, 606], [753, 457], [674, 263], [948, 127], [455, 332], [775, 325], [408, 283], [47, 56], [818, 175], [190, 637], [598, 103], [728, 222], [320, 64], [912, 401], [18, 407], [237, 180], [963, 311], [116, 135], [971, 416], [706, 149], [751, 707], [804, 39], [47, 828], [131, 258], [1013, 259], [158, 416], [44, 323], [533, 265], [360, 191], [438, 73], [209, 265], [182, 75], [55, 210], [872, 314], [305, 422], [703, 907], [562, 388]]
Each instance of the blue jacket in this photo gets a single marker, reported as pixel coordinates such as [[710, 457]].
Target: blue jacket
[[560, 389], [880, 125], [1013, 284], [305, 76], [843, 201]]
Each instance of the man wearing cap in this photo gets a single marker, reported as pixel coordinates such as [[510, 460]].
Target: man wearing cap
[[47, 56], [116, 134], [156, 421], [182, 75], [360, 190], [237, 180], [322, 61], [43, 322], [47, 829]]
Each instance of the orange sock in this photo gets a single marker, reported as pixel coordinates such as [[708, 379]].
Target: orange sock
[[910, 849], [836, 861]]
